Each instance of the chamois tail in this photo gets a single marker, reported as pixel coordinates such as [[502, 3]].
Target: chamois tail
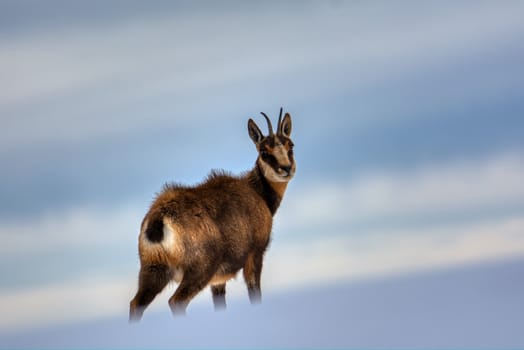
[[155, 228]]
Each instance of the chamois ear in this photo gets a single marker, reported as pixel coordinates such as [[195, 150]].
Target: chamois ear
[[254, 132], [285, 126]]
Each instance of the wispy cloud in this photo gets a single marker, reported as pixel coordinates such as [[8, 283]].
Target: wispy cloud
[[84, 82], [64, 302], [315, 240], [436, 191], [322, 260], [86, 228], [83, 104], [327, 259], [79, 103], [439, 191]]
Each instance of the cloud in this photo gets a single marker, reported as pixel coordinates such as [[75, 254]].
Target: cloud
[[118, 80], [315, 239], [438, 191], [83, 82], [87, 101], [63, 302], [73, 229], [327, 259], [315, 262]]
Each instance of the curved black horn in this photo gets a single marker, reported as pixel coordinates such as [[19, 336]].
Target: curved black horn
[[279, 121], [269, 126]]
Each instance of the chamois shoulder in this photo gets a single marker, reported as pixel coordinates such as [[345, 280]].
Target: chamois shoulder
[[218, 175], [219, 178], [172, 187]]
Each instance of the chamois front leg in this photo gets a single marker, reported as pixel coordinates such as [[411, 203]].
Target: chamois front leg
[[219, 296], [252, 274], [152, 279]]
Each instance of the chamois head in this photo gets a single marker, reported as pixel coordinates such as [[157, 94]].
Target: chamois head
[[275, 151]]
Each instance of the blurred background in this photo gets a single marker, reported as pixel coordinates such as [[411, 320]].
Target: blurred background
[[404, 225]]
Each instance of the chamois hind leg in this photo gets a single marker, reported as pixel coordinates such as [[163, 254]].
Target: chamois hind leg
[[152, 279], [252, 272], [219, 296], [193, 282]]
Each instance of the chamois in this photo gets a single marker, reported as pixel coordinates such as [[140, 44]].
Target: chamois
[[203, 235]]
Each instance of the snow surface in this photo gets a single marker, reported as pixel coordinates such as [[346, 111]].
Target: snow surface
[[473, 306]]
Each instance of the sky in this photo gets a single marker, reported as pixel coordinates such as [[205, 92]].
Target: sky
[[436, 310], [407, 125]]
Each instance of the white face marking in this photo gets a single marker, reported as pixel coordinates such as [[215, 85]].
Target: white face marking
[[274, 176], [281, 156], [280, 153]]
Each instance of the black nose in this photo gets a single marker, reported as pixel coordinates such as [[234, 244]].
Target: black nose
[[287, 168]]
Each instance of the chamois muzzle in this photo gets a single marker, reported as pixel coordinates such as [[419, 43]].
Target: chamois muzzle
[[285, 170]]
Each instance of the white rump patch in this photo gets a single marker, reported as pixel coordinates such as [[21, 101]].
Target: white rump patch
[[170, 236]]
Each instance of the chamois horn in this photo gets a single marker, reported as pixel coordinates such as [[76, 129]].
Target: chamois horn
[[279, 121], [269, 126]]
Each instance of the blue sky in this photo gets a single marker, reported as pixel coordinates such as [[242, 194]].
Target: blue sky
[[407, 121]]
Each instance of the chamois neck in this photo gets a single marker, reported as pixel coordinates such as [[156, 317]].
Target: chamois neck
[[271, 192], [278, 187]]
